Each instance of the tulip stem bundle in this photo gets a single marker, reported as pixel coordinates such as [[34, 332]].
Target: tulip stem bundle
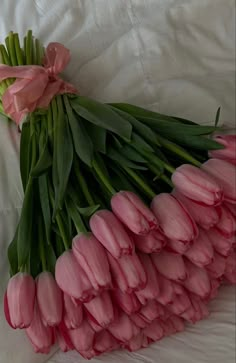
[[89, 172]]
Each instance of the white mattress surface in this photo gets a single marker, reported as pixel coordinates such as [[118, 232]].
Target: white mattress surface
[[175, 56]]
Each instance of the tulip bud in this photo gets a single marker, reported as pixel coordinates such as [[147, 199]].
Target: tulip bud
[[127, 302], [105, 342], [154, 241], [63, 338], [197, 185], [197, 281], [170, 265], [230, 268], [19, 301], [82, 338], [166, 287], [73, 313], [154, 331], [221, 244], [229, 151], [110, 232], [201, 252], [151, 311], [129, 208], [217, 267], [101, 309], [123, 329], [224, 173], [227, 223], [177, 247], [136, 342]]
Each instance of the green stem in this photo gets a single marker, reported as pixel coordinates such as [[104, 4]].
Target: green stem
[[41, 247], [62, 232], [167, 180], [12, 50], [148, 191], [83, 184], [29, 42], [76, 217], [18, 50], [103, 177]]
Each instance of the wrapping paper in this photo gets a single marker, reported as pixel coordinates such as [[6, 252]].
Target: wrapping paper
[[172, 56]]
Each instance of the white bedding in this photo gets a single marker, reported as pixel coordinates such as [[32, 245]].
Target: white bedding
[[175, 56]]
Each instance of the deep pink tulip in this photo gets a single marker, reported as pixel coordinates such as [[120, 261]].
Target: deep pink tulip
[[227, 223], [104, 342], [154, 241], [19, 300], [174, 219], [128, 273], [129, 208], [198, 280], [177, 247], [73, 313], [110, 232], [201, 252], [197, 185], [216, 268], [72, 279], [40, 336], [82, 338], [92, 257], [225, 175], [49, 298], [229, 151], [123, 329], [154, 331], [221, 244], [230, 268], [127, 302], [151, 290], [166, 287], [101, 309], [170, 265], [136, 343], [151, 311], [63, 338], [205, 216]]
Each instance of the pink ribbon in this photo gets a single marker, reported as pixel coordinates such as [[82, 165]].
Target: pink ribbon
[[35, 86]]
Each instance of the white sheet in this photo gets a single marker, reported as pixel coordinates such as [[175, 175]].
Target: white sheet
[[175, 56]]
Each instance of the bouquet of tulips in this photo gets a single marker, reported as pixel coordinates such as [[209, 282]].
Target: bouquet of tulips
[[128, 223]]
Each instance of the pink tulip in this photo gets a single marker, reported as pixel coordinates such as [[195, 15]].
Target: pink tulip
[[230, 268], [128, 273], [49, 298], [231, 207], [101, 309], [224, 173], [201, 252], [197, 311], [105, 342], [229, 151], [138, 320], [154, 241], [180, 304], [221, 244], [88, 354], [205, 216], [72, 279], [151, 311], [63, 338], [227, 223], [177, 247], [170, 265], [129, 208], [136, 343], [154, 331], [166, 287], [178, 323], [215, 284], [96, 328], [73, 313], [92, 258], [127, 302], [19, 300], [40, 336], [197, 185], [82, 338], [197, 281], [174, 219], [110, 232], [123, 328], [151, 290], [217, 267]]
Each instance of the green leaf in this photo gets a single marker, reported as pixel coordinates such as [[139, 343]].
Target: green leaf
[[13, 255], [140, 144], [82, 142], [75, 215], [43, 164], [88, 211], [34, 260], [45, 206], [98, 136], [102, 115], [25, 150], [137, 111], [115, 155], [51, 258], [132, 154], [202, 143]]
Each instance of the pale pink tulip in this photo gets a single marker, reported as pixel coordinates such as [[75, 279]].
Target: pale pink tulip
[[151, 290], [101, 309], [127, 302], [175, 221], [92, 258], [40, 336], [229, 151], [128, 273], [227, 223], [201, 252], [217, 267], [166, 287], [72, 279], [110, 232], [170, 265], [197, 185], [73, 312], [154, 331], [83, 337], [225, 175], [230, 268], [19, 300], [49, 298], [104, 342], [197, 281], [205, 216], [221, 244], [123, 329], [154, 241], [129, 208]]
